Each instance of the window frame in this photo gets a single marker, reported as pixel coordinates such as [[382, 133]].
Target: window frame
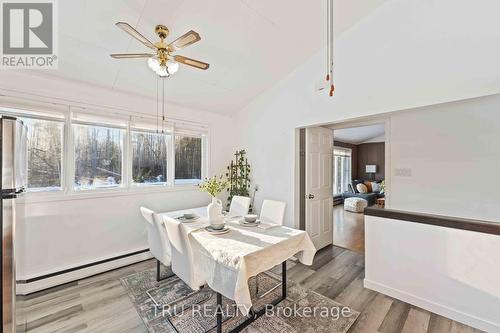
[[123, 184], [168, 138], [65, 114], [349, 154], [19, 113], [204, 155]]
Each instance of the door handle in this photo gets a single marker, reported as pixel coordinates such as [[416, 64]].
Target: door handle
[[310, 196]]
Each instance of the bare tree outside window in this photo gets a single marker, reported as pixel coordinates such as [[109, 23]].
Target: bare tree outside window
[[149, 158], [45, 138], [98, 156], [187, 159]]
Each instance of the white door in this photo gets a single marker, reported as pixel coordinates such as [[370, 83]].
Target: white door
[[319, 185]]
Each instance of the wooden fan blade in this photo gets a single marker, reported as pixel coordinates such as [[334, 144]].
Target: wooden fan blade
[[131, 55], [136, 34], [188, 38], [191, 62]]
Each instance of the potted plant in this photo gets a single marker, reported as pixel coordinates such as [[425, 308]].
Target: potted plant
[[213, 186], [238, 174]]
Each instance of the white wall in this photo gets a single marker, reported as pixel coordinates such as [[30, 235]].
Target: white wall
[[406, 54], [403, 55], [447, 271], [54, 235], [67, 231], [453, 153], [453, 157]]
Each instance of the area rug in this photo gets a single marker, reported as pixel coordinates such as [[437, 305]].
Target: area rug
[[171, 306]]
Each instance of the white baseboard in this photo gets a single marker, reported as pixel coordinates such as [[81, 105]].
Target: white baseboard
[[49, 282], [431, 306]]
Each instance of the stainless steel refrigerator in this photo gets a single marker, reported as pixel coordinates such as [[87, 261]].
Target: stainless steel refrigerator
[[13, 161]]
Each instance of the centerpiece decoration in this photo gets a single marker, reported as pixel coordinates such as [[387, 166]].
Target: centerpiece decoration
[[214, 186]]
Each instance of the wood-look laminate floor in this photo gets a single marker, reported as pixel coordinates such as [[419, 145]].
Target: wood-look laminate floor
[[348, 229], [100, 304]]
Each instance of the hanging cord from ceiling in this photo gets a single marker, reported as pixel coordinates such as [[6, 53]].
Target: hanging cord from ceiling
[[329, 45], [327, 40]]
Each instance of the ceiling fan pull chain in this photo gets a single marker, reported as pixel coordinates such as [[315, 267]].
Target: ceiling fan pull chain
[[163, 105], [157, 107]]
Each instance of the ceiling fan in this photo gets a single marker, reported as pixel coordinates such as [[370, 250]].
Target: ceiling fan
[[162, 61]]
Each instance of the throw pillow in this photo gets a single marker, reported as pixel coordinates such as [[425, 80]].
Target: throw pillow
[[362, 188], [376, 187], [355, 183], [368, 185]]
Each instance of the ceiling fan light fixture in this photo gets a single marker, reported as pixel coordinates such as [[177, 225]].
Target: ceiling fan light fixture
[[154, 64], [173, 66], [163, 62], [163, 72]]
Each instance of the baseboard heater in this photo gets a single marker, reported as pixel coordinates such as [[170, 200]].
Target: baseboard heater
[[46, 281]]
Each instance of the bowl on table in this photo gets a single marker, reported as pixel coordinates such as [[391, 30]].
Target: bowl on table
[[250, 218], [189, 216]]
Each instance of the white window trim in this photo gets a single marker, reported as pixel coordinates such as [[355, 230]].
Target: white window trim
[[26, 114], [123, 185], [350, 166], [168, 137], [127, 187], [203, 135]]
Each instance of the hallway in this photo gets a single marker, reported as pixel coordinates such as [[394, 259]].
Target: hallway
[[348, 229]]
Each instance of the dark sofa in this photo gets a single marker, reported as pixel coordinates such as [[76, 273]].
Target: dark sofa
[[353, 192]]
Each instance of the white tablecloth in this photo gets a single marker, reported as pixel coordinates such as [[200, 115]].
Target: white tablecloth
[[227, 261]]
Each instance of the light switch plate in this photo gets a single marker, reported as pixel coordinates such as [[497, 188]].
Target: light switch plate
[[402, 172]]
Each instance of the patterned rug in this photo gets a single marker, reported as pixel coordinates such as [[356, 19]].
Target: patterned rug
[[171, 303]]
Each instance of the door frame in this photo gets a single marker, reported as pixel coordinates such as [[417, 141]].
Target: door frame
[[299, 172]]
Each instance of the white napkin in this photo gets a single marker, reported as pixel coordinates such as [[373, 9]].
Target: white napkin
[[265, 226]]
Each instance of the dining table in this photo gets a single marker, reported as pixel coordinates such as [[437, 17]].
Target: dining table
[[227, 261]]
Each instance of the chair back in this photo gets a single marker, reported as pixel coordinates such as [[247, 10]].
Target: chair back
[[273, 211], [157, 236], [184, 263], [239, 206]]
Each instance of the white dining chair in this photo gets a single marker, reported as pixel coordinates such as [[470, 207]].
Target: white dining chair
[[184, 263], [159, 245], [272, 212], [239, 206]]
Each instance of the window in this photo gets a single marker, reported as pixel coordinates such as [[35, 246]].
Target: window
[[342, 170], [45, 145], [149, 157], [188, 159], [98, 156], [72, 151]]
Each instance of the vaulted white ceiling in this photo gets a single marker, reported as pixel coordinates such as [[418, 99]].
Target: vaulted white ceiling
[[361, 134], [250, 44]]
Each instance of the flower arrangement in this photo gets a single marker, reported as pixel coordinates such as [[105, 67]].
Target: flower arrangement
[[214, 185]]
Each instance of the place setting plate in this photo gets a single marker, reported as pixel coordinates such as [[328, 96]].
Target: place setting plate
[[213, 231], [184, 219], [244, 223]]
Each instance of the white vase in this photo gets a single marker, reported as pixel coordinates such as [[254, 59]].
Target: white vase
[[214, 213]]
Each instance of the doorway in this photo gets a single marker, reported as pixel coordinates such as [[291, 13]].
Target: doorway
[[357, 175]]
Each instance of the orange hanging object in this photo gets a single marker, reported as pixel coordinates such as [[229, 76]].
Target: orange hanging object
[[332, 89], [328, 77]]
